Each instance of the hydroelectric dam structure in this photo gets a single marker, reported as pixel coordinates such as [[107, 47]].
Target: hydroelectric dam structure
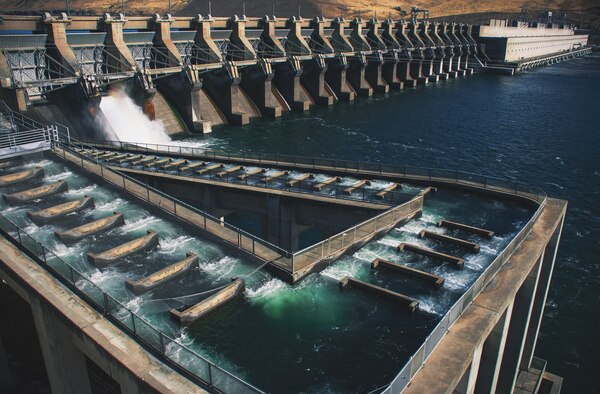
[[138, 268], [193, 73]]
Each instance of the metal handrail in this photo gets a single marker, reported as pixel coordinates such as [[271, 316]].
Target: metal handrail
[[113, 309]]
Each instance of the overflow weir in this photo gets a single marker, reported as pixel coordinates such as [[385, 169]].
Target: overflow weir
[[193, 73], [172, 289]]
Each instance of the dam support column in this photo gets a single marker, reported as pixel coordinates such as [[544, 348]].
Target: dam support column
[[337, 67], [357, 64], [517, 330], [313, 79], [492, 353], [541, 295], [121, 59], [223, 86], [257, 79], [16, 98], [389, 70], [458, 50], [65, 363], [374, 72], [282, 227], [288, 74], [315, 69]]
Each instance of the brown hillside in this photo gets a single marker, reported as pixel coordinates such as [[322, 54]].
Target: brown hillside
[[308, 8]]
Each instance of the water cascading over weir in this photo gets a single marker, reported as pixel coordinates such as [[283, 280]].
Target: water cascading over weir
[[192, 73]]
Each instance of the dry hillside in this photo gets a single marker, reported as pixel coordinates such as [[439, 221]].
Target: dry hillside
[[308, 8]]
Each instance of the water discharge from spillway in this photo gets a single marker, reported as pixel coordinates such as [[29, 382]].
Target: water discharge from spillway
[[129, 122]]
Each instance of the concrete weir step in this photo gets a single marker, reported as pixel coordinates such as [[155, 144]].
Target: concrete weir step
[[8, 164], [210, 168], [463, 227], [195, 312], [470, 246], [37, 192], [192, 166], [457, 261], [432, 279], [60, 210], [95, 227], [326, 182], [163, 276], [409, 303], [251, 173], [108, 257], [300, 178], [348, 191], [21, 176], [381, 195]]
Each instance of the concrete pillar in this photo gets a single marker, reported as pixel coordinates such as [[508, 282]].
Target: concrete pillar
[[492, 353], [256, 81], [6, 380], [206, 50], [404, 66], [183, 90], [469, 378], [450, 51], [537, 313], [121, 58], [458, 50], [356, 75], [15, 98], [168, 54], [440, 50], [282, 226], [420, 69], [389, 69], [313, 79], [335, 76], [429, 57], [270, 46], [65, 363], [338, 67], [374, 71], [240, 47], [223, 87], [319, 42], [296, 44], [57, 46], [519, 322], [357, 64], [287, 80]]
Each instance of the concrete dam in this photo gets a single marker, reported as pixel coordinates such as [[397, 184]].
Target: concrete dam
[[198, 72], [162, 267]]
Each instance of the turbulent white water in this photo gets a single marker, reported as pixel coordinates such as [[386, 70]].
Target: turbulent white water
[[129, 122]]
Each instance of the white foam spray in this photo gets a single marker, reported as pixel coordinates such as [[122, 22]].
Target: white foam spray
[[129, 122]]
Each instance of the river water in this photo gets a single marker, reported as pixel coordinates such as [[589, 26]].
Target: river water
[[539, 127]]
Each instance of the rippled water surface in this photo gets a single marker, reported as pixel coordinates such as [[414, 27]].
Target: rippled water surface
[[539, 127]]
